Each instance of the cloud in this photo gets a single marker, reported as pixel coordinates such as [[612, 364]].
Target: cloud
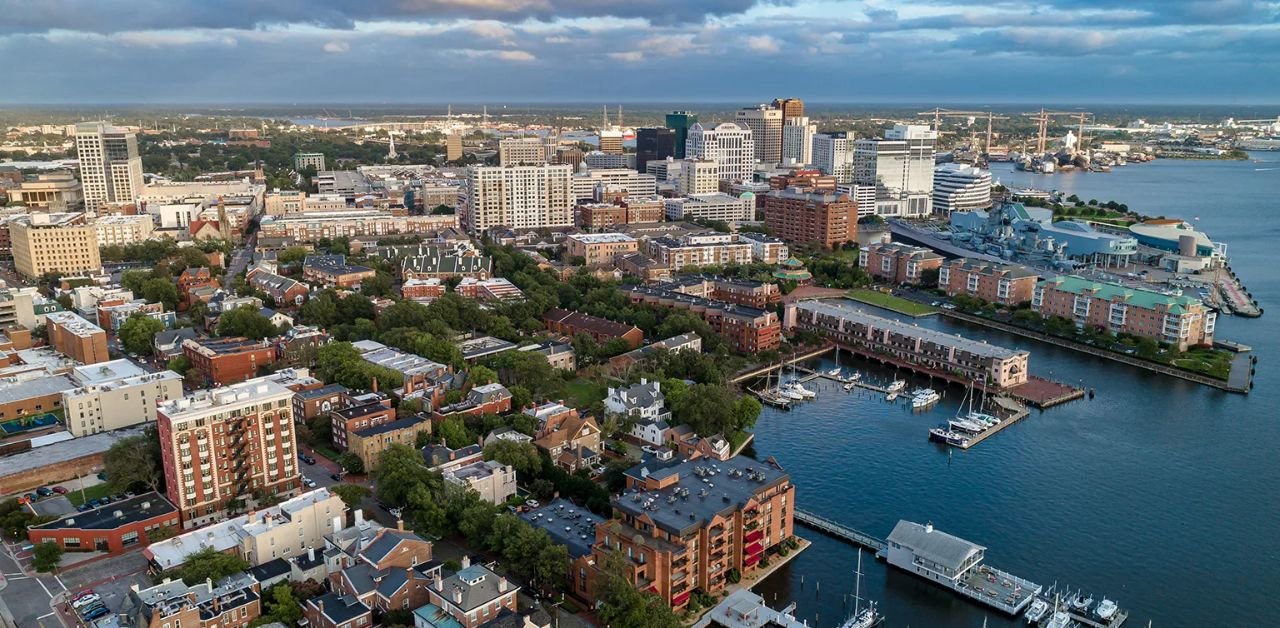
[[336, 47], [633, 56], [763, 43], [515, 55]]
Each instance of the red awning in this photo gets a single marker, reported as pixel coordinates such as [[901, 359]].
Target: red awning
[[754, 548], [753, 559], [680, 599], [754, 535]]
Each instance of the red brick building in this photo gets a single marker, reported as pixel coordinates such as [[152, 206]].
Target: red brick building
[[813, 179], [757, 294], [1006, 284], [223, 361], [810, 216], [422, 289], [113, 528], [898, 263], [193, 279], [746, 329], [602, 330], [358, 417]]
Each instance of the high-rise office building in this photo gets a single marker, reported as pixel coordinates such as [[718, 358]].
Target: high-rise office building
[[521, 151], [957, 188], [520, 197], [304, 160], [60, 242], [110, 168], [765, 123], [453, 146], [681, 122], [611, 141], [728, 144], [791, 108], [833, 155], [698, 176], [901, 167], [229, 444], [797, 141], [654, 143]]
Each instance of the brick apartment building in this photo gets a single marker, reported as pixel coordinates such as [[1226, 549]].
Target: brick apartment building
[[368, 443], [1005, 284], [113, 528], [226, 444], [599, 248], [193, 284], [284, 291], [333, 270], [682, 535], [1180, 321], [422, 289], [813, 179], [223, 361], [233, 602], [898, 263], [602, 330], [746, 329], [598, 216], [808, 216], [359, 416], [77, 338], [756, 294]]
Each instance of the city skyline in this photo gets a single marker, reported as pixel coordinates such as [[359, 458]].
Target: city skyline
[[556, 50]]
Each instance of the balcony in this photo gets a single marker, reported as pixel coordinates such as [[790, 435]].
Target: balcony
[[753, 549], [753, 536], [681, 598], [752, 559]]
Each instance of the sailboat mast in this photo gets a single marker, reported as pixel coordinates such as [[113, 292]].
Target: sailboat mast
[[857, 586]]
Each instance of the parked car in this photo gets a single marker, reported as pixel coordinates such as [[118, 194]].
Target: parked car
[[82, 507], [94, 503], [85, 600], [60, 490], [532, 503], [306, 459], [337, 477], [32, 497], [101, 612], [44, 491], [649, 449], [308, 482]]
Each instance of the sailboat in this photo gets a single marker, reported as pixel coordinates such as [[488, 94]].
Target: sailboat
[[862, 617]]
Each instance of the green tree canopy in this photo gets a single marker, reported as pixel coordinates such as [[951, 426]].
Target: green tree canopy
[[523, 457], [46, 556], [134, 461], [352, 494], [210, 564], [246, 321], [138, 332]]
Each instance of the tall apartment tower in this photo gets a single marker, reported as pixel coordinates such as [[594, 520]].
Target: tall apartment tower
[[681, 122], [453, 146], [765, 123], [230, 444], [698, 176], [61, 242], [110, 168], [791, 108], [521, 151], [654, 143], [901, 167], [520, 197], [728, 144], [797, 141], [833, 155]]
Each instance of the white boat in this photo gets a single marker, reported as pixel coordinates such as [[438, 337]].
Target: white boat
[[786, 393], [961, 425], [835, 372], [924, 399], [897, 385], [1036, 612], [855, 376], [944, 435], [1106, 609], [893, 395], [799, 389], [1060, 619], [1081, 604], [849, 386], [862, 617]]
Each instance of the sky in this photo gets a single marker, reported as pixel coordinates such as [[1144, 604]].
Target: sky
[[495, 51]]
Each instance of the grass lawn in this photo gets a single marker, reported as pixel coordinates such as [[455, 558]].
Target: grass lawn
[[890, 302], [90, 493], [1212, 362], [584, 392]]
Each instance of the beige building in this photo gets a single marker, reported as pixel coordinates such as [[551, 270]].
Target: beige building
[[223, 449], [60, 242], [699, 176], [281, 202], [453, 146], [493, 481], [285, 530], [599, 248], [110, 167], [520, 197], [521, 151], [57, 191], [116, 394], [123, 230]]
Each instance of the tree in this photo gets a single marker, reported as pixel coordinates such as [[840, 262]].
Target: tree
[[138, 332], [46, 556], [134, 461], [247, 322], [441, 210], [352, 494], [281, 606], [378, 285], [454, 433], [179, 364], [480, 375], [622, 605], [523, 457], [351, 462], [160, 291], [292, 255], [210, 564]]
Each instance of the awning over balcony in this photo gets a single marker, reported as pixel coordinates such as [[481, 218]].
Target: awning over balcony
[[681, 599], [753, 536], [752, 559], [754, 548]]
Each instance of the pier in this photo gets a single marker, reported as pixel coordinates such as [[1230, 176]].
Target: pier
[[838, 531], [1009, 412]]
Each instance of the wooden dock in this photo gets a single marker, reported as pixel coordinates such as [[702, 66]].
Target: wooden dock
[[1012, 413], [841, 532]]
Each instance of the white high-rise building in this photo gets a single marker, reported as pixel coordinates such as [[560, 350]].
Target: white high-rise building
[[110, 168], [901, 167], [833, 155], [730, 145], [585, 184], [797, 141], [958, 188], [520, 197], [765, 123]]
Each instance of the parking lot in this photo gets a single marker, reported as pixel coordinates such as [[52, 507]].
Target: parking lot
[[41, 599]]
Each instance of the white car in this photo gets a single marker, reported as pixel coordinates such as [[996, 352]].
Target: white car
[[85, 601], [649, 449], [308, 482]]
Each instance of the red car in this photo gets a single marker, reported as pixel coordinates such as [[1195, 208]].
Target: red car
[[60, 490]]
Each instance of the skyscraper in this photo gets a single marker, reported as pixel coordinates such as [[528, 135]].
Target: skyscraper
[[654, 143], [521, 151], [681, 122], [797, 140], [520, 197], [730, 145], [833, 155], [901, 167], [791, 108], [765, 123], [453, 146], [110, 168], [611, 141]]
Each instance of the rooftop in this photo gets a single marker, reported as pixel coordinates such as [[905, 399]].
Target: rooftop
[[102, 372], [393, 426], [578, 320], [72, 449], [12, 390], [1138, 297], [602, 238], [933, 545], [74, 323], [566, 524], [406, 363], [705, 488], [481, 346], [726, 309], [251, 392], [132, 510], [853, 315], [479, 586], [211, 347]]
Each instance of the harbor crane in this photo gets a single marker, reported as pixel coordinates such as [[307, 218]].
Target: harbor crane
[[1043, 116], [938, 113]]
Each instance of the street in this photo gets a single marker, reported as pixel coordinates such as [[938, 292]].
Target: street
[[239, 260]]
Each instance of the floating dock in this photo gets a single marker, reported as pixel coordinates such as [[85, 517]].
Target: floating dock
[[1086, 617], [1009, 412]]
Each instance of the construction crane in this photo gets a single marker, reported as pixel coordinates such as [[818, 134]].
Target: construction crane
[[939, 113], [1043, 116]]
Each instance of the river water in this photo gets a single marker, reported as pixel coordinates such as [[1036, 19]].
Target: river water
[[1159, 493]]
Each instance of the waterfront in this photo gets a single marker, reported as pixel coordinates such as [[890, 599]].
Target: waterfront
[[1158, 493]]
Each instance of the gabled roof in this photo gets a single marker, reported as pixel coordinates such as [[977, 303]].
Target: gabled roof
[[387, 542], [933, 545]]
